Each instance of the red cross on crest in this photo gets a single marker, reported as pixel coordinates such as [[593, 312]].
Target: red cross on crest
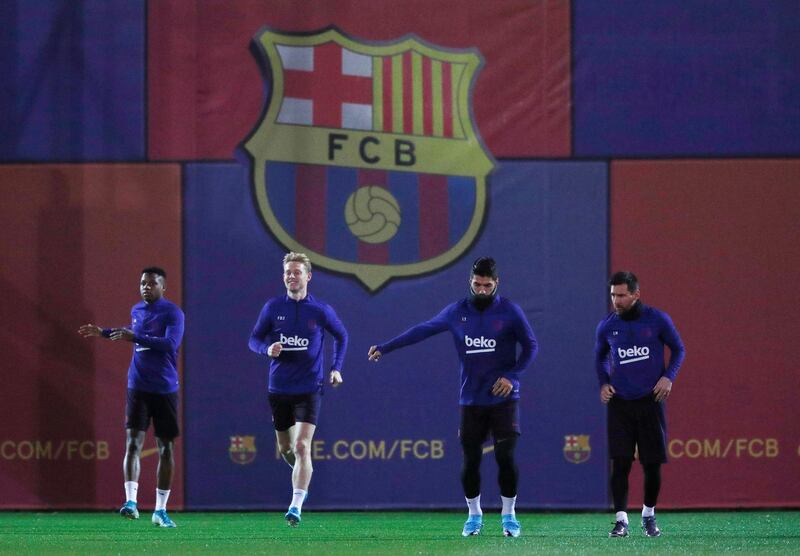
[[320, 77]]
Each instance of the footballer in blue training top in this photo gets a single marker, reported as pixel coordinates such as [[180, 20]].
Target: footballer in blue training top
[[629, 359], [486, 330], [290, 330], [156, 332]]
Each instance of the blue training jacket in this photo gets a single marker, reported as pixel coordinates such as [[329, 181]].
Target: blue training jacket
[[486, 343], [629, 352], [157, 333], [299, 326]]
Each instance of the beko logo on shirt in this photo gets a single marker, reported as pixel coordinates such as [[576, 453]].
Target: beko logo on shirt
[[294, 343], [482, 344], [636, 353]]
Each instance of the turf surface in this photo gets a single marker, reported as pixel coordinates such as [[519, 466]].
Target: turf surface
[[353, 533]]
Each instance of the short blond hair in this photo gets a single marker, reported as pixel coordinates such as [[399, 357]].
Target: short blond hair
[[293, 257]]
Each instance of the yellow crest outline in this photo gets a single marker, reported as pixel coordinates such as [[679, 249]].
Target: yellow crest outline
[[279, 142]]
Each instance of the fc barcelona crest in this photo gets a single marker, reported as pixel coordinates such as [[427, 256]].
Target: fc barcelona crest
[[576, 448], [366, 156], [242, 449]]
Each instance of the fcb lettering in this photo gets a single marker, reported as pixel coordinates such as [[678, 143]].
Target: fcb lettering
[[371, 151]]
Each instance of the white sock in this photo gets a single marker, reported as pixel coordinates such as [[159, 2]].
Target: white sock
[[161, 499], [131, 489], [648, 511], [298, 497], [474, 505], [508, 505], [622, 516]]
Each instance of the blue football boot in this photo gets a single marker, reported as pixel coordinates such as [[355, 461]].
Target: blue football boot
[[293, 517], [511, 527], [129, 510], [161, 519], [472, 526]]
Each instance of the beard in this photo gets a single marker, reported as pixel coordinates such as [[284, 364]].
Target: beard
[[482, 300]]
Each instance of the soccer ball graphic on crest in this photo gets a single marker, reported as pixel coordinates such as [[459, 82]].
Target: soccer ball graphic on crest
[[372, 214]]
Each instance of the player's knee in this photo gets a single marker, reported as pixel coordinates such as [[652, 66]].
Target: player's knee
[[472, 455], [302, 448], [285, 445], [504, 451], [165, 449], [621, 467], [133, 447]]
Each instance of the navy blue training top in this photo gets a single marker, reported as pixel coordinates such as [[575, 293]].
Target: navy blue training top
[[157, 333], [299, 326], [629, 352], [486, 343]]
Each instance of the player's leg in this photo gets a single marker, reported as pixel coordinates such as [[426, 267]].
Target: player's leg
[[283, 420], [165, 424], [621, 446], [306, 409], [134, 440], [131, 467], [505, 430], [137, 420], [472, 433], [165, 472], [508, 478], [166, 463], [285, 442], [620, 471], [652, 454], [304, 468], [652, 485]]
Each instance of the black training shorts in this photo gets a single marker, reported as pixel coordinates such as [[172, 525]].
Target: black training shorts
[[161, 408], [477, 421], [641, 423], [287, 409]]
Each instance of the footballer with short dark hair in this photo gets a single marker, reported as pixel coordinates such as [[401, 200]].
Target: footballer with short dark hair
[[486, 329], [156, 331]]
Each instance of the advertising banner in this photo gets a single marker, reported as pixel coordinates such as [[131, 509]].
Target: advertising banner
[[74, 241], [720, 262], [388, 436]]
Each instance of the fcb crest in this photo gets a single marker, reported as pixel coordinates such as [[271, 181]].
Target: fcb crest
[[242, 449], [366, 156], [576, 448]]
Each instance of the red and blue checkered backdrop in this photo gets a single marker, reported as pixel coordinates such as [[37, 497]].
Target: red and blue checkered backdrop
[[395, 142]]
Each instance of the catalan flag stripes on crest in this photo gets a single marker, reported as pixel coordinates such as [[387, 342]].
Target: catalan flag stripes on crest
[[436, 210], [328, 85]]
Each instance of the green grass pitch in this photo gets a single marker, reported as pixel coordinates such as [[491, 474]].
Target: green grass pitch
[[354, 533]]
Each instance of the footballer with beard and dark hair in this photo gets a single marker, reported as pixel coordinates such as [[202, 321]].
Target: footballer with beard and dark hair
[[635, 384], [486, 329]]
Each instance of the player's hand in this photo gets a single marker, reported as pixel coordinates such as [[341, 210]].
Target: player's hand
[[503, 387], [374, 354], [336, 378], [89, 330], [122, 334], [274, 350], [606, 393], [662, 389]]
